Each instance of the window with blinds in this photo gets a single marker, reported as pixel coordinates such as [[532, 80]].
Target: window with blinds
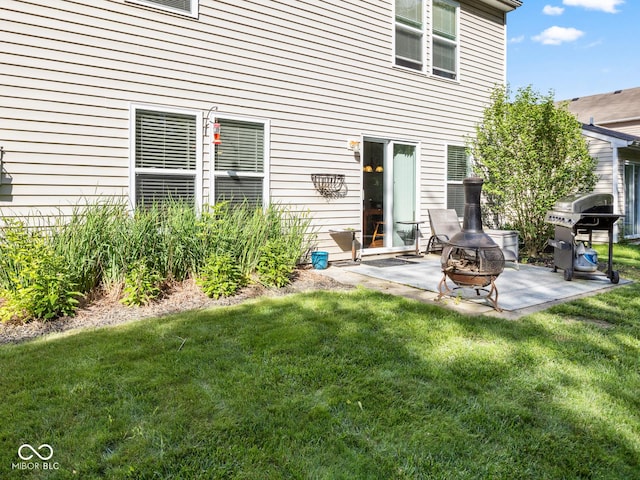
[[239, 162], [445, 39], [165, 157], [155, 190], [238, 190], [458, 168], [189, 7], [409, 33]]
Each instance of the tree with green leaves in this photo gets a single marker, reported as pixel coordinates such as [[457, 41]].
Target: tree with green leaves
[[530, 152]]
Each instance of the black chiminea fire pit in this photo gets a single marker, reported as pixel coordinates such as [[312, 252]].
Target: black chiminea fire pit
[[471, 259]]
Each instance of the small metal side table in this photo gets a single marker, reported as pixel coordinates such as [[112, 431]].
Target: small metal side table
[[416, 231]]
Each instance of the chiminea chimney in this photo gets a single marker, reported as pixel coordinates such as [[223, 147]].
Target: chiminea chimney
[[472, 235]]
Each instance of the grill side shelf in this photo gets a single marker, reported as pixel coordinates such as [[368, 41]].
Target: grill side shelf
[[559, 244]]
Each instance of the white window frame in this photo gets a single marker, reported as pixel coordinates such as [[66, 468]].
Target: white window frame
[[265, 175], [446, 171], [193, 11], [428, 39], [423, 34], [133, 170], [456, 44]]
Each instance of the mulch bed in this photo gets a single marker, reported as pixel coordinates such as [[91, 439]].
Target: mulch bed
[[103, 310]]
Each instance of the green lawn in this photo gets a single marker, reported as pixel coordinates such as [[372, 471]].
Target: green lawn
[[335, 385]]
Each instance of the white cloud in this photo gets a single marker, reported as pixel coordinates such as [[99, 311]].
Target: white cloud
[[557, 35], [549, 10], [608, 6], [519, 39]]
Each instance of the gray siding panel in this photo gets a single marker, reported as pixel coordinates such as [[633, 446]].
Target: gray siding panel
[[320, 72]]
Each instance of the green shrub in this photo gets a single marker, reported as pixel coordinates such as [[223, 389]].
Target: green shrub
[[530, 150], [276, 263], [20, 247], [141, 284], [36, 283], [221, 276], [49, 295]]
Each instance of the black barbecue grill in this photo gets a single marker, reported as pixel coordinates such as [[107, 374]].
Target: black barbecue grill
[[580, 215]]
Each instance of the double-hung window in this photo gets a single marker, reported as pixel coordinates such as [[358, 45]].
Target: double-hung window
[[184, 7], [414, 43], [240, 162], [166, 154], [445, 39], [458, 168], [410, 34]]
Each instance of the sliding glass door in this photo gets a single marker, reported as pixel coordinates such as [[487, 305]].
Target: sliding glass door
[[632, 200], [389, 194], [404, 207]]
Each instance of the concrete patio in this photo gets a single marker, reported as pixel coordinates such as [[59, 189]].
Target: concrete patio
[[522, 289]]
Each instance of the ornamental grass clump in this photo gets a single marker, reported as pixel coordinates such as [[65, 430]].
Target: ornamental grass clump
[[92, 242], [184, 249], [242, 231]]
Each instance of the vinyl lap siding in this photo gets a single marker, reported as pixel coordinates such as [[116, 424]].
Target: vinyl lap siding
[[320, 72], [65, 134], [603, 151], [631, 127]]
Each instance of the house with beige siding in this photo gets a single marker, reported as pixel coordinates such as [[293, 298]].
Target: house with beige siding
[[355, 111], [611, 125], [618, 171]]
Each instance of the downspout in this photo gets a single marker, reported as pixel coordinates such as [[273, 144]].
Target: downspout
[[615, 161], [505, 40]]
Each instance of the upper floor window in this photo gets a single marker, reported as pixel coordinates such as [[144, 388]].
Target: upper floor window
[[410, 34], [458, 168], [165, 156], [185, 7], [412, 38], [241, 162], [445, 39]]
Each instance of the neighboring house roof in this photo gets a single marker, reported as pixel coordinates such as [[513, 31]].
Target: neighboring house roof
[[631, 140], [606, 108]]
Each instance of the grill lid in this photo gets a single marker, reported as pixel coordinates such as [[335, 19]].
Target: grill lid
[[576, 210], [585, 203]]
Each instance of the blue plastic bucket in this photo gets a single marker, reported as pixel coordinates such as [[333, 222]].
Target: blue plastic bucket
[[320, 260]]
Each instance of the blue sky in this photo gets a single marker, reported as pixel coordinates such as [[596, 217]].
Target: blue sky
[[574, 47]]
